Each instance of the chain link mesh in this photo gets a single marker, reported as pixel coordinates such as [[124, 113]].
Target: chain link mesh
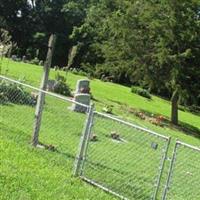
[[123, 159], [185, 175], [60, 128]]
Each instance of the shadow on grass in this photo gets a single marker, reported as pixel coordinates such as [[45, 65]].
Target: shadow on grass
[[128, 178], [110, 170], [195, 110], [189, 129], [184, 127]]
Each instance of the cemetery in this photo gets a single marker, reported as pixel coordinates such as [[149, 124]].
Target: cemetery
[[57, 133], [99, 100]]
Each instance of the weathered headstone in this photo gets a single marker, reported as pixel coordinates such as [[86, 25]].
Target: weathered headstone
[[82, 95], [56, 68], [14, 57], [24, 58], [83, 86], [1, 50], [41, 63], [83, 99]]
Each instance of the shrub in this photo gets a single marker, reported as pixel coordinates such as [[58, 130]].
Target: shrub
[[141, 92], [13, 93], [90, 76], [61, 86], [59, 77]]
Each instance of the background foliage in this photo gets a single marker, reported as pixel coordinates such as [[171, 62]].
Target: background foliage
[[153, 44]]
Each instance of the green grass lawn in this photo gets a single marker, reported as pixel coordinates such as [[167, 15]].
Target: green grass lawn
[[128, 166], [186, 175], [28, 173]]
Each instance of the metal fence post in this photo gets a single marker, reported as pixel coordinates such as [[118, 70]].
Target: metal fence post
[[170, 171], [87, 144], [161, 169], [83, 141]]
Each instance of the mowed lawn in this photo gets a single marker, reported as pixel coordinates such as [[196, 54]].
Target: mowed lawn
[[28, 173]]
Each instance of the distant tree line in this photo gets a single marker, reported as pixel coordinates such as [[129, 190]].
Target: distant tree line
[[153, 44], [30, 22]]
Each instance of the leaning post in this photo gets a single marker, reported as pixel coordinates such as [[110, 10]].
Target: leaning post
[[41, 95]]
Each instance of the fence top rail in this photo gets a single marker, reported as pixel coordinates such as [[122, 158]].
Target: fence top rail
[[133, 125], [188, 145], [46, 92]]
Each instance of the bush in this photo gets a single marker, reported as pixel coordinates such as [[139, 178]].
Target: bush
[[141, 92], [13, 93], [59, 77], [61, 86]]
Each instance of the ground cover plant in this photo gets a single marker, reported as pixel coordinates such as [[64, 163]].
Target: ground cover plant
[[29, 173], [10, 90]]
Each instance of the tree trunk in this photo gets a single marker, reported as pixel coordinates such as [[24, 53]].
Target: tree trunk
[[174, 107]]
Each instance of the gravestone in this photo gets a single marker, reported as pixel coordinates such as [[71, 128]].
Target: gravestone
[[56, 68], [83, 86], [83, 99], [41, 63], [1, 50], [82, 95], [14, 57], [24, 59]]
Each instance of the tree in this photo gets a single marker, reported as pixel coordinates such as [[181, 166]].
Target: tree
[[154, 44], [31, 22], [14, 16], [150, 43]]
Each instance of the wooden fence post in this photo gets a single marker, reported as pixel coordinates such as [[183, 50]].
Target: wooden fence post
[[41, 96]]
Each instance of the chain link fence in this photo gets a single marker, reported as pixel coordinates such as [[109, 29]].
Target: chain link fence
[[119, 157], [123, 159], [60, 128], [184, 174]]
